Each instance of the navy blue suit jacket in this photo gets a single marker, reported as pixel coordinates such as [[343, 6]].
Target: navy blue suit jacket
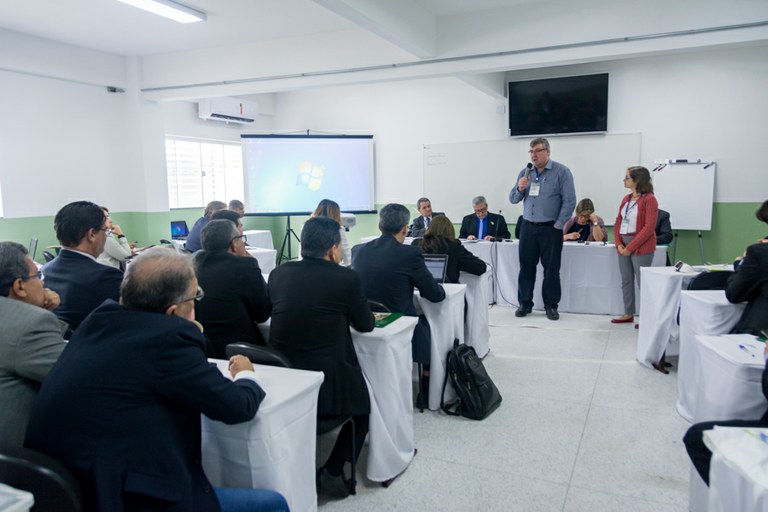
[[121, 410], [82, 283], [496, 226], [390, 270]]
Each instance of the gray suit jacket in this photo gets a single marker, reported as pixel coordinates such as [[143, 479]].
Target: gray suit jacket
[[30, 343]]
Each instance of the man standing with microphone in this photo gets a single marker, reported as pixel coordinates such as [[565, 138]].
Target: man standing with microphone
[[548, 195]]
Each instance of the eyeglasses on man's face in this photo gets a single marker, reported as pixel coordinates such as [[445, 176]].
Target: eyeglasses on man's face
[[536, 151], [105, 229], [36, 275], [244, 238], [198, 296]]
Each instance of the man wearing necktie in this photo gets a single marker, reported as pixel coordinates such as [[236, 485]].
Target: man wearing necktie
[[483, 225], [421, 223]]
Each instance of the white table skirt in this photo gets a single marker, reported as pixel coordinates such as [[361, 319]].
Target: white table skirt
[[259, 238], [660, 301], [476, 331], [589, 275], [705, 312], [385, 358], [266, 257], [486, 252], [738, 476], [446, 323], [730, 378], [275, 450]]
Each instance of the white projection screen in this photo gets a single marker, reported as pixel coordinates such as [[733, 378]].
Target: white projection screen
[[290, 174]]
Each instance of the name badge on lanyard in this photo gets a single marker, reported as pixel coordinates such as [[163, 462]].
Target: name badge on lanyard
[[535, 189], [624, 229]]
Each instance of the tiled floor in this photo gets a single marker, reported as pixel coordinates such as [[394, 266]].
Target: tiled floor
[[583, 427]]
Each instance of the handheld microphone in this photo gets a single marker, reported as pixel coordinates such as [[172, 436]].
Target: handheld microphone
[[528, 169]]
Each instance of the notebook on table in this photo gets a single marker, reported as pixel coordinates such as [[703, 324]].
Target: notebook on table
[[179, 230], [437, 264]]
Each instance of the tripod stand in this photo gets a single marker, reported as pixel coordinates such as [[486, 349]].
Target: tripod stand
[[287, 241]]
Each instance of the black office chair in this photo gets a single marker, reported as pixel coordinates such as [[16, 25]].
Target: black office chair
[[54, 488], [710, 281], [258, 354], [48, 256]]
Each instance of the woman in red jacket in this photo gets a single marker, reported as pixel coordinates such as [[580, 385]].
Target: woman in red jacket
[[634, 234]]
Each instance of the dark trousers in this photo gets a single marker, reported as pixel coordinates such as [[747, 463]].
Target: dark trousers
[[699, 453], [421, 342], [340, 453], [543, 243]]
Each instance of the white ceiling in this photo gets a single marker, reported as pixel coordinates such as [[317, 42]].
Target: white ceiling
[[258, 46], [114, 27]]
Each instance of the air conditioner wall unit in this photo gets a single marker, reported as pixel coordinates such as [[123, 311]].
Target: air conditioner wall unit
[[228, 110]]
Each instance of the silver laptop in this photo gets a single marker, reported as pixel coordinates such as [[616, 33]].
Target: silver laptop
[[437, 264]]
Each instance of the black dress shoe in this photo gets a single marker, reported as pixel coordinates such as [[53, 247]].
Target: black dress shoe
[[333, 486], [552, 313], [522, 311]]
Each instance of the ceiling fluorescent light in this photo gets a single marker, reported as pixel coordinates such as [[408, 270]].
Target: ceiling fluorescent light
[[169, 9]]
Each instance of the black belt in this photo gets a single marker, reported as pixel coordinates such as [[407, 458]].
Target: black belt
[[548, 223]]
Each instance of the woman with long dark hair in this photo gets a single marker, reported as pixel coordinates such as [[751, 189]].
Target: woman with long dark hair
[[634, 234], [440, 238], [330, 209]]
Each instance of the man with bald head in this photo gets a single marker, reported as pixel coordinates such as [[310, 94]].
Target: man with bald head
[[30, 339], [74, 274], [121, 408]]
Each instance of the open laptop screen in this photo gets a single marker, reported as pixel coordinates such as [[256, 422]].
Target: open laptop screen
[[179, 229], [436, 264]]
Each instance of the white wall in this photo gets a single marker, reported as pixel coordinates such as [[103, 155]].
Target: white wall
[[705, 104]]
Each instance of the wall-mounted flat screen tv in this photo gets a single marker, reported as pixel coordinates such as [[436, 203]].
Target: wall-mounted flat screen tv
[[574, 104], [290, 174]]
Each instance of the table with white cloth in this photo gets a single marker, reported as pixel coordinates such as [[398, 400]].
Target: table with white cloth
[[476, 331], [259, 238], [446, 323], [738, 475], [266, 257], [589, 275], [660, 301], [386, 361], [276, 449], [486, 252], [705, 312], [730, 378]]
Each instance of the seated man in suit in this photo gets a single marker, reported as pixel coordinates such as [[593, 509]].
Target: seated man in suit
[[30, 339], [421, 223], [237, 206], [664, 231], [193, 239], [749, 284], [121, 408], [314, 301], [235, 291], [390, 271], [81, 282], [483, 225]]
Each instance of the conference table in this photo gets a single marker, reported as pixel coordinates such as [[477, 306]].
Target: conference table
[[660, 300], [267, 258], [589, 274], [446, 323], [276, 449], [729, 377], [259, 238], [385, 359], [738, 475], [476, 331], [705, 312]]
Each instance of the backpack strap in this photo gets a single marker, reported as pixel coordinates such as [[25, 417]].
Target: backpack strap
[[456, 405]]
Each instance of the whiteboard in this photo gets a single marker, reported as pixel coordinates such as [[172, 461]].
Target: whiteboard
[[455, 173], [686, 191]]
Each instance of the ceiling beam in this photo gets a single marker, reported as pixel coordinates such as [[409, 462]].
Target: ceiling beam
[[400, 22]]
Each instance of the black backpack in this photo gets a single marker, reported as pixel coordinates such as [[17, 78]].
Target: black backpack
[[478, 396]]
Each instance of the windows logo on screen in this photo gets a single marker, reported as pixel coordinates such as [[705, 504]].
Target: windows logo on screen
[[310, 175]]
